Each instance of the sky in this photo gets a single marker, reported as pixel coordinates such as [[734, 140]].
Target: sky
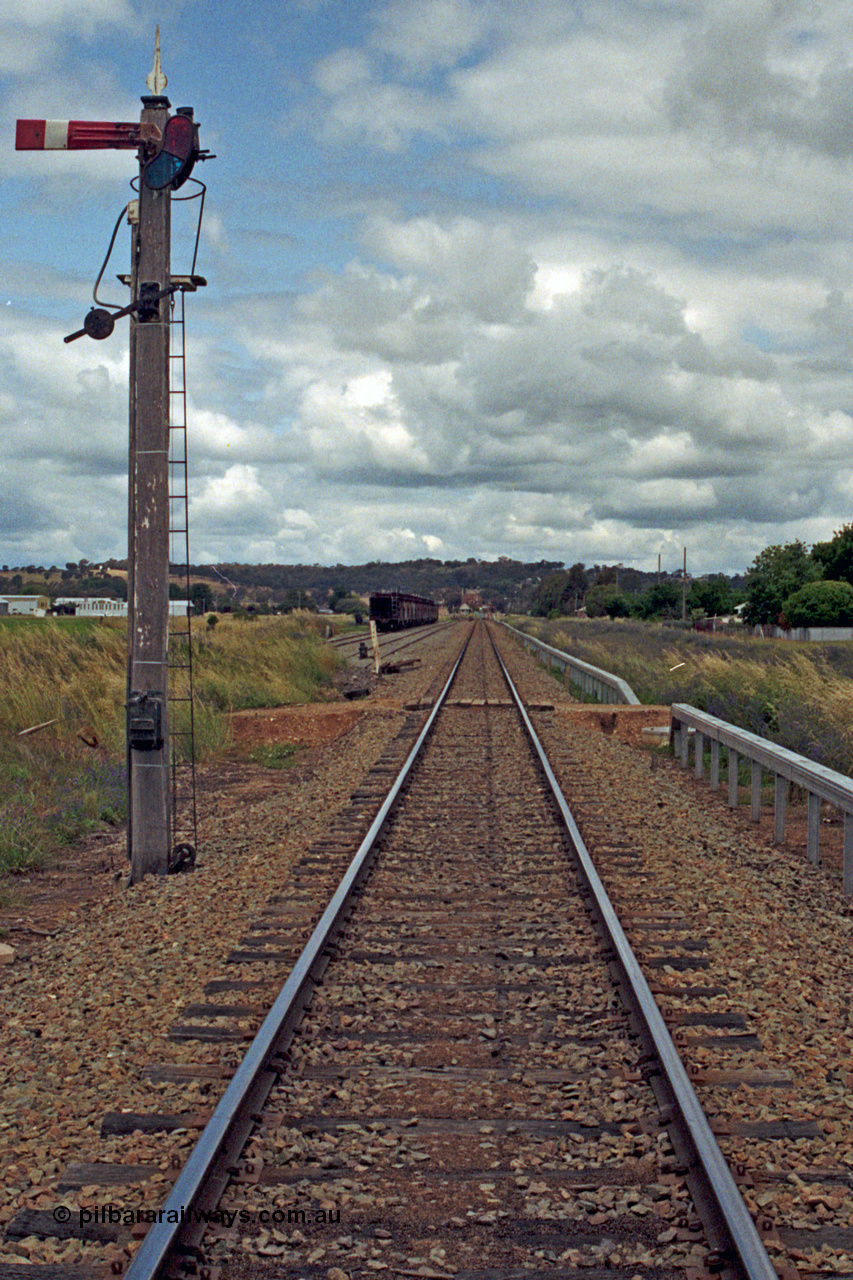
[[548, 280]]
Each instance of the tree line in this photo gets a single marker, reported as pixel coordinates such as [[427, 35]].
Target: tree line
[[615, 592], [786, 586], [792, 586]]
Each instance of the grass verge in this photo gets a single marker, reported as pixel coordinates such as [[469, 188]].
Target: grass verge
[[797, 695], [68, 676]]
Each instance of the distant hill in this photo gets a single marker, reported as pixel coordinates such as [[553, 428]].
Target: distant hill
[[503, 584]]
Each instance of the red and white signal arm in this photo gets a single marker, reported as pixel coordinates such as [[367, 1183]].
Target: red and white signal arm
[[169, 156], [76, 135]]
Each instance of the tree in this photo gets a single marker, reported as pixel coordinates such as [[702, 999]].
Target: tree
[[820, 604], [836, 556], [560, 592], [202, 597], [348, 604], [618, 606], [774, 575], [576, 584], [548, 596], [606, 598], [713, 596], [662, 600]]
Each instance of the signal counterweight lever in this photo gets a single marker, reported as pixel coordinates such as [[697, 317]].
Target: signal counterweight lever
[[99, 322]]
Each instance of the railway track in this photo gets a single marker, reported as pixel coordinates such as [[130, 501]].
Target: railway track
[[759, 1014], [466, 1093], [390, 642]]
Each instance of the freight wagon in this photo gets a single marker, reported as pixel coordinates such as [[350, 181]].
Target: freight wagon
[[393, 610]]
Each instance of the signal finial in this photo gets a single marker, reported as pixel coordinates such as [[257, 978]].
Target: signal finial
[[156, 80]]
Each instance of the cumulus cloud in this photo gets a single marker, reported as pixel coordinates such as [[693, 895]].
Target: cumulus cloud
[[761, 71], [531, 280], [425, 34]]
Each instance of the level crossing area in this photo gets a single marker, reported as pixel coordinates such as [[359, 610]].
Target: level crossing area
[[481, 990]]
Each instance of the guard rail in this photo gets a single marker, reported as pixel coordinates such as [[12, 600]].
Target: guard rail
[[594, 682], [787, 767]]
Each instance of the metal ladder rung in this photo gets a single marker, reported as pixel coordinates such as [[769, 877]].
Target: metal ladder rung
[[184, 815]]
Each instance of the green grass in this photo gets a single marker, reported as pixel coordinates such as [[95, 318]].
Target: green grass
[[275, 755]]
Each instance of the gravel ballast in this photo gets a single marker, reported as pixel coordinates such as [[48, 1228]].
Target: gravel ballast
[[89, 1009]]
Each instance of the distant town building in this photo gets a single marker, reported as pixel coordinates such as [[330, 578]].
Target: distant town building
[[25, 606], [108, 607], [91, 606]]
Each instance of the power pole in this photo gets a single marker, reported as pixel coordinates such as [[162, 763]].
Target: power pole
[[168, 149]]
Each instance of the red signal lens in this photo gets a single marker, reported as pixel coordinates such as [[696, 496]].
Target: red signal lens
[[179, 137], [175, 159]]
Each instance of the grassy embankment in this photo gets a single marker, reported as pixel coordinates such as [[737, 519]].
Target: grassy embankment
[[798, 695], [54, 785]]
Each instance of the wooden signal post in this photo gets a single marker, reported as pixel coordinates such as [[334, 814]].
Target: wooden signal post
[[168, 149]]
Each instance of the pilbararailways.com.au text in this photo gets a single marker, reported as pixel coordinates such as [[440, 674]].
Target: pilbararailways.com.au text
[[120, 1216]]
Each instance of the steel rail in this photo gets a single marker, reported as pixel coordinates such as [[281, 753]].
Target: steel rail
[[403, 638], [741, 1241], [210, 1166]]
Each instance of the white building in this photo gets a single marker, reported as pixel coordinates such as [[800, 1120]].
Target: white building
[[25, 606], [110, 606], [93, 606]]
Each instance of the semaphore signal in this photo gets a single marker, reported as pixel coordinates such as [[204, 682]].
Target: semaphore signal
[[168, 148]]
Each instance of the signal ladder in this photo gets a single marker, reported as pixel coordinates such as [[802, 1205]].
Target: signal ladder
[[180, 652]]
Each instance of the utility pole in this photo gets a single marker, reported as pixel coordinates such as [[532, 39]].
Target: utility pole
[[168, 149], [684, 589]]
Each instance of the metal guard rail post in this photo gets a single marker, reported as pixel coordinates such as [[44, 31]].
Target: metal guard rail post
[[817, 781], [602, 685]]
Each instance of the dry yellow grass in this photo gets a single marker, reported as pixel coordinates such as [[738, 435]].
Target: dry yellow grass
[[800, 695], [72, 672]]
